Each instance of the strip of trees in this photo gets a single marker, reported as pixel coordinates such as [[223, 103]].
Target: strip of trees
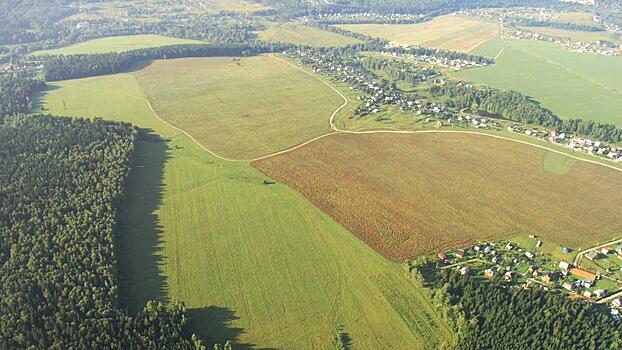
[[495, 317], [514, 106], [16, 94], [60, 185], [79, 66]]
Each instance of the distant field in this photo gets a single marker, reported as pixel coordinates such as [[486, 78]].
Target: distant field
[[410, 195], [571, 84], [240, 108], [304, 35], [117, 44], [235, 5], [446, 32], [577, 17], [577, 35], [254, 263]]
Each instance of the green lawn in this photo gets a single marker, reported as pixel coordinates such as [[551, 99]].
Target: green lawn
[[117, 44], [240, 108], [253, 262], [304, 35], [570, 84]]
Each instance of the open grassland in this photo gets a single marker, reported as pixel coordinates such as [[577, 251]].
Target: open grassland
[[410, 195], [235, 5], [254, 263], [571, 84], [304, 35], [576, 17], [446, 32], [240, 108], [117, 44], [577, 35]]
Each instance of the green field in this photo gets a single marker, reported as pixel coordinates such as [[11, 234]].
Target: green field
[[568, 83], [253, 262], [446, 32], [301, 34], [117, 44], [240, 108], [577, 35]]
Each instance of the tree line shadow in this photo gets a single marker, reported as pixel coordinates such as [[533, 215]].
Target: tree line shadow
[[139, 245]]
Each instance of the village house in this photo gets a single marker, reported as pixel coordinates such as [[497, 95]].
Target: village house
[[489, 273], [465, 270], [568, 286], [606, 250], [442, 257], [460, 253], [564, 265], [616, 302], [582, 274], [591, 255], [599, 293]]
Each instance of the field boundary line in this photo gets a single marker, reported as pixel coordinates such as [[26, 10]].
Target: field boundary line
[[336, 130]]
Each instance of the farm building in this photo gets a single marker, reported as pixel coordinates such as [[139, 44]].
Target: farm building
[[585, 275], [591, 255], [538, 244], [529, 255]]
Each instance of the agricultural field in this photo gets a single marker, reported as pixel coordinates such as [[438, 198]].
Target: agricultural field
[[235, 5], [254, 262], [117, 44], [577, 35], [304, 35], [411, 195], [270, 104], [446, 32], [570, 84]]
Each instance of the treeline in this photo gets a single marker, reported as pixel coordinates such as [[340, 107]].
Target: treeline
[[16, 94], [494, 317], [80, 66], [559, 25], [450, 55], [60, 186], [514, 106], [398, 70], [297, 8]]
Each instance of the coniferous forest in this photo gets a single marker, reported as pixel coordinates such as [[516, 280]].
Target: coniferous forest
[[60, 182], [500, 318]]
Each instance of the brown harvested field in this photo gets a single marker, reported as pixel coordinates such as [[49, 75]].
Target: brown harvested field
[[407, 195]]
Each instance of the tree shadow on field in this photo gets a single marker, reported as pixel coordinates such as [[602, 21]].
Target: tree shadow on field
[[213, 325], [139, 232]]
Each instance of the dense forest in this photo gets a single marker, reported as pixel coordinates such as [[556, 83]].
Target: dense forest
[[514, 106], [16, 94], [60, 184], [79, 66], [494, 317]]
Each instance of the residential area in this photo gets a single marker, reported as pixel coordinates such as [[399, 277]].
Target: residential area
[[593, 275]]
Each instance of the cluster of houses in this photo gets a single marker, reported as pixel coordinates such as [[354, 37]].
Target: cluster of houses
[[375, 94], [522, 267], [600, 47], [573, 142], [367, 17], [445, 62]]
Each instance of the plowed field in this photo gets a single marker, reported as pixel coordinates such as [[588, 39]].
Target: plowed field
[[408, 195]]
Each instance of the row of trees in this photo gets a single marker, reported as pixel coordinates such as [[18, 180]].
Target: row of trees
[[80, 66], [60, 185], [16, 94], [493, 317], [514, 106], [560, 25]]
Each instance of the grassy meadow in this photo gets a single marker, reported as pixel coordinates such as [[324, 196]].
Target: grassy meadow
[[240, 108], [117, 44], [577, 35], [301, 34], [254, 263], [417, 194], [571, 84], [446, 32]]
